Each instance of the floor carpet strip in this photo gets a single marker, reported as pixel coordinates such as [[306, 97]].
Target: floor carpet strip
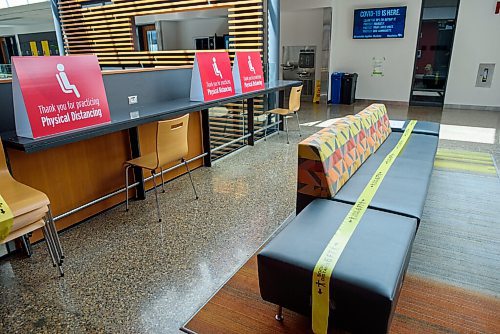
[[465, 161]]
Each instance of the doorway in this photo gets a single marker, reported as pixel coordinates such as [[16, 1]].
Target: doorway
[[305, 40], [148, 38], [433, 54]]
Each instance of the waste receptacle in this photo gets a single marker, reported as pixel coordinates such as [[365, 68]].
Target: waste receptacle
[[336, 87], [348, 91]]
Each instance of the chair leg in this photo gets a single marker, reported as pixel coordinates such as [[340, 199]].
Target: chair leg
[[50, 238], [265, 127], [49, 246], [27, 245], [52, 228], [126, 187], [156, 196], [57, 255], [286, 127], [55, 246], [298, 123], [279, 314], [190, 177], [162, 181], [52, 250]]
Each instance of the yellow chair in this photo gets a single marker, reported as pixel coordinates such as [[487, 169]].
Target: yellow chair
[[293, 108], [171, 146], [31, 211]]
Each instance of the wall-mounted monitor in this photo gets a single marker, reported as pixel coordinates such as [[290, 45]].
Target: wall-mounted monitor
[[388, 22]]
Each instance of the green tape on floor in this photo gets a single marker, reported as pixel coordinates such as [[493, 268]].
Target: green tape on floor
[[465, 161]]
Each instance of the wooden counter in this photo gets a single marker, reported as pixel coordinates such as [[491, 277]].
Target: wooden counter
[[78, 173]]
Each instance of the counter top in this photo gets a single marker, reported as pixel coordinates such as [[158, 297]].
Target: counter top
[[147, 114]]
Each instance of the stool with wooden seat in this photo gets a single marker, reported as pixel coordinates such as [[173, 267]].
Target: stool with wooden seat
[[31, 211], [171, 146], [293, 108]]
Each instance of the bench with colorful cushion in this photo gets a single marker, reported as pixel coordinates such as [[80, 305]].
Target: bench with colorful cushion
[[325, 164], [334, 167]]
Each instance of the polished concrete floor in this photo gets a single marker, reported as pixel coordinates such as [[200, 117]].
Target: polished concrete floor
[[128, 273]]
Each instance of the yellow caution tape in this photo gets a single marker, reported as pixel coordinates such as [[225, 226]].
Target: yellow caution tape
[[330, 256], [6, 219]]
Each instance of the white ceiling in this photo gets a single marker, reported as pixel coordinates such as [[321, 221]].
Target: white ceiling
[[14, 3], [26, 18]]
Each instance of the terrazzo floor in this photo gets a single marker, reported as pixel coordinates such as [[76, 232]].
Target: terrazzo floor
[[128, 273]]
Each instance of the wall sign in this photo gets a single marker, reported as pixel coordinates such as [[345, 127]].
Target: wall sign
[[211, 78], [386, 22], [497, 10], [57, 94], [247, 72], [485, 75]]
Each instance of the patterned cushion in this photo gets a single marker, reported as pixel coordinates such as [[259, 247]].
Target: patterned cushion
[[376, 124], [323, 165], [328, 158], [358, 134]]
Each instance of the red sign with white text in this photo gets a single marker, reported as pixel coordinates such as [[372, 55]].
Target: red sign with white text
[[247, 72], [58, 94], [212, 78]]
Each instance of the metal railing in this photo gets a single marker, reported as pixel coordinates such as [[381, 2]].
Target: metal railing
[[135, 184]]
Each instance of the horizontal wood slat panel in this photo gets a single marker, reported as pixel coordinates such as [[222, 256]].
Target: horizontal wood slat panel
[[108, 31]]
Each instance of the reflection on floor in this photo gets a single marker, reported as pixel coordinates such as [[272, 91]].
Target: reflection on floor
[[125, 272]]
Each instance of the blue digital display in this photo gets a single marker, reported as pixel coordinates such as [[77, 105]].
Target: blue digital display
[[386, 22]]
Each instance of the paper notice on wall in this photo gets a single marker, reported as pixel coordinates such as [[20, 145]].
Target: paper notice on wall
[[378, 66]]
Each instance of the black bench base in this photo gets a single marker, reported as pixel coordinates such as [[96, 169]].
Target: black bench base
[[367, 279]]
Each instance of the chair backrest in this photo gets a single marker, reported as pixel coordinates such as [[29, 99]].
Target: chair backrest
[[294, 101], [172, 140]]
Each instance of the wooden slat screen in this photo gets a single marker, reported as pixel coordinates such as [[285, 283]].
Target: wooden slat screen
[[108, 31]]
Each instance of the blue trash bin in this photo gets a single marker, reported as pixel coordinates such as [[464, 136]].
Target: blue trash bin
[[336, 85]]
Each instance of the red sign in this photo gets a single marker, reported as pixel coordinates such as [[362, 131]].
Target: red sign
[[247, 72], [497, 10], [212, 78], [57, 94]]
